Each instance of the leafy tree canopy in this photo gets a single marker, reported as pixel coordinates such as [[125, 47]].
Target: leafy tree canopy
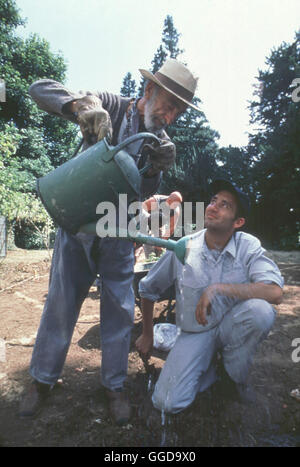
[[32, 142], [275, 147]]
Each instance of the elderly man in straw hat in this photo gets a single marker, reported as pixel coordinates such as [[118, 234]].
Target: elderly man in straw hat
[[77, 259]]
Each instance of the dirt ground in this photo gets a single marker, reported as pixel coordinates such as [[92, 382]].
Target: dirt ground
[[76, 413]]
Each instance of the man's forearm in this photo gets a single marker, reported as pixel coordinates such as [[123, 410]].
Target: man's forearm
[[147, 312], [272, 293], [145, 342]]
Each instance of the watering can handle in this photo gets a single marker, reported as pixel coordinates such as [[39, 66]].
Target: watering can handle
[[123, 144], [136, 137], [145, 169], [132, 139]]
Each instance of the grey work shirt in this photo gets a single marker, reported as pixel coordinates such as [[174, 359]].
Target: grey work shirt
[[241, 261]]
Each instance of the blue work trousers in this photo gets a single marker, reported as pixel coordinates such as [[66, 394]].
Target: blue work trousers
[[190, 365], [76, 261]]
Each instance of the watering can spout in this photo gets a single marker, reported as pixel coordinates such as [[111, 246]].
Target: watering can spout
[[179, 247]]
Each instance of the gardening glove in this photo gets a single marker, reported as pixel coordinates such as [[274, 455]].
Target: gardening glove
[[94, 121], [162, 157]]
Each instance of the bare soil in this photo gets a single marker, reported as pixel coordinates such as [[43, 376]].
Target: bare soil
[[76, 414]]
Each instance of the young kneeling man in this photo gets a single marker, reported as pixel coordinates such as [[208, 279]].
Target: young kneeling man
[[224, 297]]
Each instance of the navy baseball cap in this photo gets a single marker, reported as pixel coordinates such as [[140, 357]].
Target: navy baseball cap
[[243, 199]]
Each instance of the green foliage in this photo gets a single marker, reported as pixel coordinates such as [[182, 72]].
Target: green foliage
[[237, 165], [153, 258], [34, 235], [32, 142], [17, 199], [9, 15], [167, 49], [170, 38], [275, 148], [129, 86], [160, 57], [169, 46], [196, 150]]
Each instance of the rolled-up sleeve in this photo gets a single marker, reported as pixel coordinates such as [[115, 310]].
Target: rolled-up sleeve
[[161, 276], [52, 96], [261, 268]]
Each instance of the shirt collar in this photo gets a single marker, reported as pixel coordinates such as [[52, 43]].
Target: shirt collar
[[229, 248]]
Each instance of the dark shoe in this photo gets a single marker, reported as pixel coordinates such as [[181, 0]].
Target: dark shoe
[[119, 406], [240, 392], [34, 399], [245, 394]]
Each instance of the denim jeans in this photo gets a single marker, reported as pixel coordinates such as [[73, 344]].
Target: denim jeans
[[189, 367], [76, 261]]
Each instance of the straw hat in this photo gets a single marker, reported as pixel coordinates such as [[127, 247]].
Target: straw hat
[[175, 78]]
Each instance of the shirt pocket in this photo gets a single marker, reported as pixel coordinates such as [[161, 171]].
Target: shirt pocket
[[196, 276], [234, 273]]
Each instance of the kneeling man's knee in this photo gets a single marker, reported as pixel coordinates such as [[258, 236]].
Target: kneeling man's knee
[[163, 400], [262, 313]]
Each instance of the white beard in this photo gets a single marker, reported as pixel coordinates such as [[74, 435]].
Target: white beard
[[151, 122]]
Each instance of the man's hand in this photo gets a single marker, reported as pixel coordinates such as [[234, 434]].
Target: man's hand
[[94, 121], [144, 345], [203, 307], [272, 293], [162, 157]]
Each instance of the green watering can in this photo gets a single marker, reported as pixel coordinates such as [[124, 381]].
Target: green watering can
[[71, 192]]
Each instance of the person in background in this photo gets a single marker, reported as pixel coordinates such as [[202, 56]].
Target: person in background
[[167, 209]]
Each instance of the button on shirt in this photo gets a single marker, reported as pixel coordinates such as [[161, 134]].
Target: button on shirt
[[241, 261]]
